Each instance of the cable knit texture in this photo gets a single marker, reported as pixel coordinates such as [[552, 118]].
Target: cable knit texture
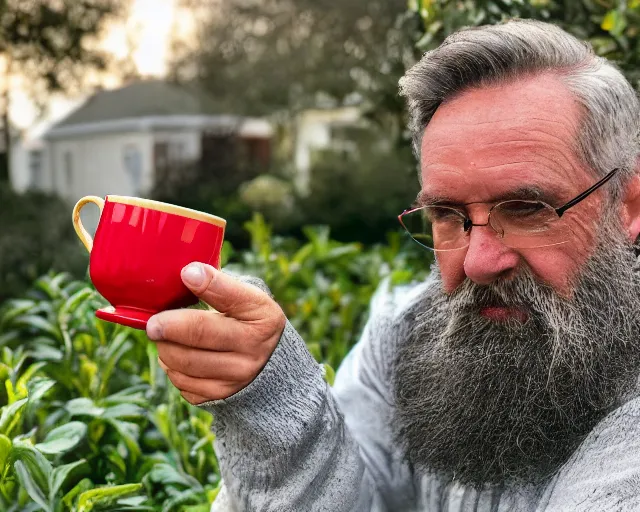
[[288, 442]]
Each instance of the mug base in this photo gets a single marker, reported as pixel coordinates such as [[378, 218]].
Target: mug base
[[129, 317]]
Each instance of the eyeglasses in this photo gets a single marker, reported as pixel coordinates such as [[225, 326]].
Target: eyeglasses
[[521, 224]]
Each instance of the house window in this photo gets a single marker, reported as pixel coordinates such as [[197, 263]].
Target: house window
[[68, 169], [35, 169], [133, 167]]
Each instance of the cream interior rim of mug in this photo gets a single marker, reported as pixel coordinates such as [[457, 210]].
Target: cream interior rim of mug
[[168, 208]]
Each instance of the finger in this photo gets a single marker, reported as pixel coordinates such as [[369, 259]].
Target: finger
[[206, 364], [206, 330], [223, 292], [209, 389]]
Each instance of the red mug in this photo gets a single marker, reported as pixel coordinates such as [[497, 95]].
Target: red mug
[[139, 250]]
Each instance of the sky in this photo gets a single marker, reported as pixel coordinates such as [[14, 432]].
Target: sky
[[151, 22]]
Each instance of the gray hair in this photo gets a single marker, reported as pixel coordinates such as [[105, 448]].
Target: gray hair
[[473, 57]]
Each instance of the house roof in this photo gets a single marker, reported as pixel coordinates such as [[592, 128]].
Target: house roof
[[141, 99], [148, 105]]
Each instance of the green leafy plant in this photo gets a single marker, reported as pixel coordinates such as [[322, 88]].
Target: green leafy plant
[[87, 417], [88, 421]]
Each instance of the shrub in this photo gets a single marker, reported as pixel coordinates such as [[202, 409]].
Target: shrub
[[90, 421], [36, 235], [87, 419]]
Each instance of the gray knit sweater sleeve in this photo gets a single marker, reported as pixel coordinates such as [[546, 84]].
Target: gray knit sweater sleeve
[[283, 443]]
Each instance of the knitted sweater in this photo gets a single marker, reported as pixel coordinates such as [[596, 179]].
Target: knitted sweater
[[289, 442]]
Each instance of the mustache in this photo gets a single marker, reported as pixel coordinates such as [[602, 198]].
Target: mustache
[[523, 292]]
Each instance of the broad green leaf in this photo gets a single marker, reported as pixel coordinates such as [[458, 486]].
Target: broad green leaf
[[167, 474], [345, 250], [83, 407], [124, 411], [12, 395], [187, 496], [21, 385], [59, 476], [37, 388], [63, 439], [30, 485], [58, 282], [133, 502], [10, 415], [116, 459], [118, 347], [44, 352], [38, 466], [83, 485], [5, 448], [132, 394], [129, 432], [39, 324], [105, 495], [89, 375], [205, 441], [72, 302], [16, 308]]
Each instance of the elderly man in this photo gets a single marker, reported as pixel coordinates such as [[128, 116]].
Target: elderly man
[[507, 381]]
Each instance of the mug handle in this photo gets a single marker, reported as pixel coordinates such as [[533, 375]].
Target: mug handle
[[84, 236]]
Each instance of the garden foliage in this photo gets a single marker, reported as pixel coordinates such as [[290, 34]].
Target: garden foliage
[[88, 421]]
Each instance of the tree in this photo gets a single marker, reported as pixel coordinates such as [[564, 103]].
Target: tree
[[262, 56], [611, 26], [48, 42]]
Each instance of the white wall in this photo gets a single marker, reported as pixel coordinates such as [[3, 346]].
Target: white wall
[[98, 165]]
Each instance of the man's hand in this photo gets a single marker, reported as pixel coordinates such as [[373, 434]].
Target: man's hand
[[210, 355]]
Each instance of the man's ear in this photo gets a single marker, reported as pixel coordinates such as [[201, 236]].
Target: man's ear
[[631, 208]]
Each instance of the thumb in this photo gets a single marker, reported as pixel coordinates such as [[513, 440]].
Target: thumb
[[223, 292]]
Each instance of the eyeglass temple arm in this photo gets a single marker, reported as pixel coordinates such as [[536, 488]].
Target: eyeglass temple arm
[[560, 211]]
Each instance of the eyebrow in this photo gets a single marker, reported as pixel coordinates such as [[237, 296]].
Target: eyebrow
[[527, 193]]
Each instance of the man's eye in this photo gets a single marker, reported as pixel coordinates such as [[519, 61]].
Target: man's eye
[[522, 208], [443, 214]]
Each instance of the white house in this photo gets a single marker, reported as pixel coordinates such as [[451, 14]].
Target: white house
[[117, 140]]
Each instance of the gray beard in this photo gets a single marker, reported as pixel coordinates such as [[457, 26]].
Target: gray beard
[[488, 403]]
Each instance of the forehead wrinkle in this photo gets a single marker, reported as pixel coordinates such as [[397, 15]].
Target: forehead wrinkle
[[452, 180], [549, 159]]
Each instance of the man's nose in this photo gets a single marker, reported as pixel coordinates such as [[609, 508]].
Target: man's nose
[[487, 258]]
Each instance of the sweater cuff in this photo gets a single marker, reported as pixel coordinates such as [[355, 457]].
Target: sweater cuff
[[277, 407]]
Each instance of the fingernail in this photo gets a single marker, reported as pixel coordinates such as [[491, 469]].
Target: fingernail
[[154, 329], [193, 274]]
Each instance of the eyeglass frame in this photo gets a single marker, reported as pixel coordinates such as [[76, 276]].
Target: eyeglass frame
[[468, 223]]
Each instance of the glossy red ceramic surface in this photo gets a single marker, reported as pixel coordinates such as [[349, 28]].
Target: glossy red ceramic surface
[[138, 254]]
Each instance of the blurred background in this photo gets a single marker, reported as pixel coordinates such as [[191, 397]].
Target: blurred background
[[288, 108]]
